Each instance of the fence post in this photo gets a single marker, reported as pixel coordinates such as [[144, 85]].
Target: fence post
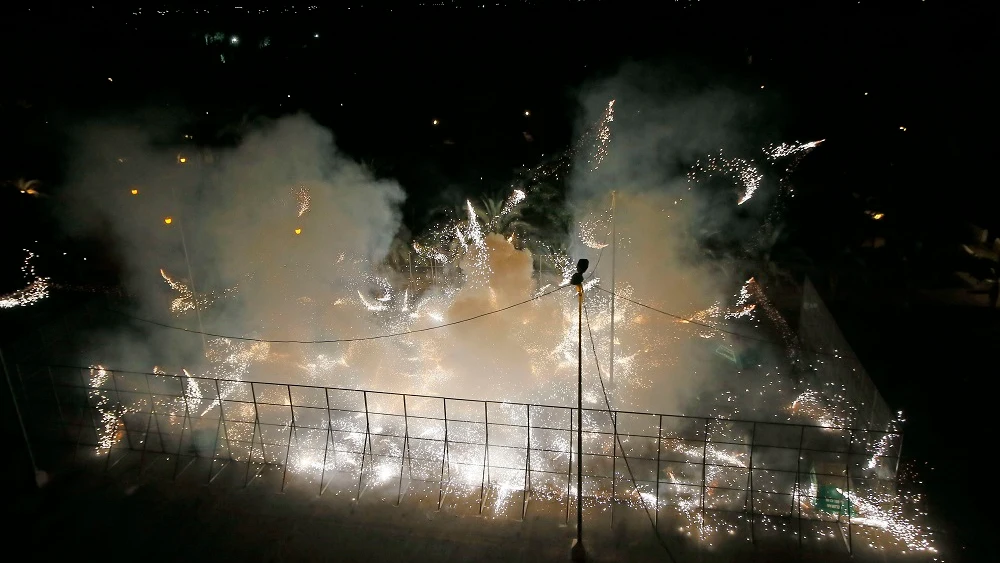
[[215, 443], [444, 451], [486, 455], [753, 433], [614, 463], [187, 421], [569, 471], [527, 465], [329, 437], [159, 429], [149, 420], [704, 469], [365, 447], [402, 457], [797, 498], [659, 447], [121, 416], [84, 410], [847, 475], [89, 409], [291, 430], [256, 428]]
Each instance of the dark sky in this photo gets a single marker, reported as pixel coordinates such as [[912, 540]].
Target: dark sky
[[927, 66]]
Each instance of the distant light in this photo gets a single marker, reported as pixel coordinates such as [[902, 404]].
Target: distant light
[[878, 216], [182, 159], [298, 231], [761, 86], [109, 79], [866, 93], [289, 95], [527, 113], [135, 191], [316, 35], [901, 128], [234, 40], [168, 220], [435, 122]]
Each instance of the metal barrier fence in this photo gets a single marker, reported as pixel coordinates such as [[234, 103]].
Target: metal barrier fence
[[826, 349], [505, 457]]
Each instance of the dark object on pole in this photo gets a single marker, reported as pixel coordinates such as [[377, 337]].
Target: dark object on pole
[[581, 267], [578, 554]]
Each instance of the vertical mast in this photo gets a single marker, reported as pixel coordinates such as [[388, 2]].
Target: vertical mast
[[614, 244]]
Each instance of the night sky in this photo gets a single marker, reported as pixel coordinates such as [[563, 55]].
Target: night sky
[[902, 92]]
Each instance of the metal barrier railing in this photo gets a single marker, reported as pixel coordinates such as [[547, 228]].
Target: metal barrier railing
[[503, 456]]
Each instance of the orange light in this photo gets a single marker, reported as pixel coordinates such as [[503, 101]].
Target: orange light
[[135, 191], [182, 160], [298, 231], [168, 220]]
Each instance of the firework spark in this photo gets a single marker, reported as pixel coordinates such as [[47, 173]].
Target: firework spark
[[186, 300], [744, 173], [303, 199], [36, 290], [603, 141]]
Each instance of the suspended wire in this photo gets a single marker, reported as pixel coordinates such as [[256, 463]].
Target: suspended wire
[[338, 340], [730, 332], [614, 424]]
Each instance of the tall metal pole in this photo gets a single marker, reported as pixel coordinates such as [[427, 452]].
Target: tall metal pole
[[194, 292], [614, 247], [578, 554]]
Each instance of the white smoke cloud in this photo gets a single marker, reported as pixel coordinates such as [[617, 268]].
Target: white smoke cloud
[[284, 237], [240, 215], [662, 124]]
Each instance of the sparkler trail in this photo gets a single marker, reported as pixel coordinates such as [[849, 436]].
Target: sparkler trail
[[796, 150], [36, 290], [743, 172], [303, 199], [186, 300], [603, 137]]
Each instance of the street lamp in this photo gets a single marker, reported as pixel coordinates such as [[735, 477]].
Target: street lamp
[[577, 553]]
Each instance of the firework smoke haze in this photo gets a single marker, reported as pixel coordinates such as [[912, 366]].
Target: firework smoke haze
[[242, 219], [662, 125], [285, 239]]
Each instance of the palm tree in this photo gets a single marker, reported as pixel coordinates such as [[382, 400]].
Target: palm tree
[[498, 217]]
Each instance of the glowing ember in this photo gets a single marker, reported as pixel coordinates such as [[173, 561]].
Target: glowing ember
[[36, 290]]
